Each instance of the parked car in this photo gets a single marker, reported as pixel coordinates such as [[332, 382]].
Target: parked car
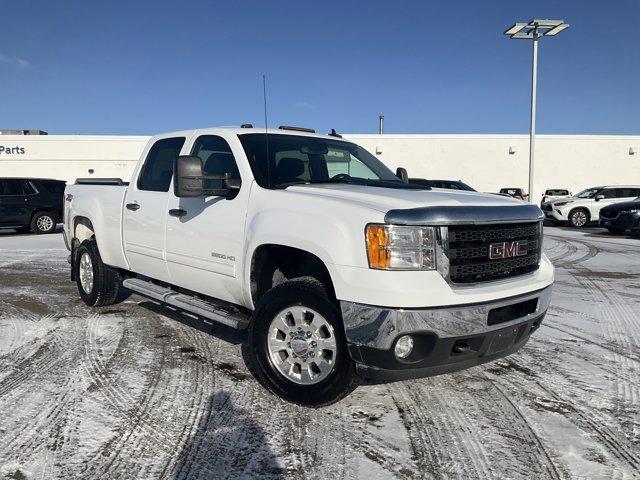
[[31, 204], [515, 193], [554, 194], [336, 266], [446, 184], [585, 206], [619, 217]]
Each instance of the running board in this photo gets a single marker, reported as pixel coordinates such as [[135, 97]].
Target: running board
[[217, 313]]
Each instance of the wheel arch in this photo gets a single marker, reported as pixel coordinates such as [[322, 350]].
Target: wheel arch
[[580, 208], [273, 263], [82, 229]]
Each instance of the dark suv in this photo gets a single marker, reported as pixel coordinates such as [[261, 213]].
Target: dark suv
[[31, 204], [621, 216]]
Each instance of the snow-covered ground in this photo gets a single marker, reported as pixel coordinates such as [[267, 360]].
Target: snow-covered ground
[[139, 391]]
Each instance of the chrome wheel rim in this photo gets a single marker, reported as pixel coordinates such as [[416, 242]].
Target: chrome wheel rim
[[302, 345], [45, 223], [579, 219], [86, 273]]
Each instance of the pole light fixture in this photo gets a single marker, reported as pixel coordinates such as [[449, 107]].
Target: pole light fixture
[[534, 30]]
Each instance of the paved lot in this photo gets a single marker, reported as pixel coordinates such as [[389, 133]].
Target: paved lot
[[138, 391]]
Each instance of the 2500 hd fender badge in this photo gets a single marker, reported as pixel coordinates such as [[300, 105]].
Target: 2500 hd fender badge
[[222, 256], [502, 250]]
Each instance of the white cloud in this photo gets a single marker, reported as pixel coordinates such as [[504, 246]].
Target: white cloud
[[303, 105], [15, 61]]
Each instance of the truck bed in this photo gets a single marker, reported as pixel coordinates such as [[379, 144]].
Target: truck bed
[[103, 203]]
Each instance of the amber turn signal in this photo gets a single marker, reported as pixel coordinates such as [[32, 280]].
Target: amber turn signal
[[377, 246]]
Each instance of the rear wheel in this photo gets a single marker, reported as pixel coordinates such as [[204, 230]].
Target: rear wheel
[[579, 217], [43, 222], [616, 231], [97, 282], [298, 344]]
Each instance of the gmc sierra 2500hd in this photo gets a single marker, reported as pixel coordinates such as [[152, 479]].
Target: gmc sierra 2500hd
[[336, 266]]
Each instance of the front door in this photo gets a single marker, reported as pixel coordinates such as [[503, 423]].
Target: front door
[[145, 212], [205, 243]]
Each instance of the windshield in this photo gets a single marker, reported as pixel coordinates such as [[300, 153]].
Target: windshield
[[588, 193], [282, 160]]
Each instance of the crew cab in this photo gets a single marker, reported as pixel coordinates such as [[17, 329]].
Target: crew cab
[[338, 268], [31, 204], [585, 206]]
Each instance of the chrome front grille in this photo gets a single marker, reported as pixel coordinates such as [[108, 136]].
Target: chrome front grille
[[466, 248]]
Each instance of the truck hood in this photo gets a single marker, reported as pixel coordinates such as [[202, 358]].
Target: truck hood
[[385, 199]]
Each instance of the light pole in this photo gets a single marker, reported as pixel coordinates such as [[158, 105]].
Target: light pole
[[534, 30]]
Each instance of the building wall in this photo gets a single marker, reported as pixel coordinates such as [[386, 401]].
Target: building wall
[[67, 157], [483, 161]]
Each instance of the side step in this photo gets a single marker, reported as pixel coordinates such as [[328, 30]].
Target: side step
[[218, 313]]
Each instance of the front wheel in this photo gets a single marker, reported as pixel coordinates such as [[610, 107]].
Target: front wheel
[[97, 282], [578, 218], [298, 345]]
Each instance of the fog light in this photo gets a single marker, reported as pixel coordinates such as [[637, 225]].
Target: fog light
[[403, 347]]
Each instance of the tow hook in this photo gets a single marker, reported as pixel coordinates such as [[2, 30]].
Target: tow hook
[[460, 347]]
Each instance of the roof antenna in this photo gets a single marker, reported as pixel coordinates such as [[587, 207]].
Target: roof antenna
[[266, 127]]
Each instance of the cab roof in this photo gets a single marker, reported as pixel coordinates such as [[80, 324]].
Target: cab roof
[[238, 130]]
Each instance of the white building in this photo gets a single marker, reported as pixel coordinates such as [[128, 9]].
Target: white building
[[490, 162], [487, 162], [67, 157]]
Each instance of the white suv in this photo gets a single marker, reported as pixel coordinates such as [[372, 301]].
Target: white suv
[[585, 206]]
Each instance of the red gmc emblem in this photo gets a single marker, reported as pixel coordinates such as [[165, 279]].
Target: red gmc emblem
[[507, 250]]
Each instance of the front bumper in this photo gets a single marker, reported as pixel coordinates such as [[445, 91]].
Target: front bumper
[[555, 214], [445, 339], [625, 220]]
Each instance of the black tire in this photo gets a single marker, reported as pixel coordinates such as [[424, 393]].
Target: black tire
[[43, 222], [309, 293], [579, 217], [105, 283], [616, 231]]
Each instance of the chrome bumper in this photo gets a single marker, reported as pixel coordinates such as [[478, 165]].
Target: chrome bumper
[[379, 327]]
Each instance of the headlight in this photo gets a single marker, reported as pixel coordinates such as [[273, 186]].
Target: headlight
[[633, 210], [560, 204], [392, 247]]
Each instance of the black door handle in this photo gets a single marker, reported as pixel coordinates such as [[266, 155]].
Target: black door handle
[[133, 206], [177, 212]]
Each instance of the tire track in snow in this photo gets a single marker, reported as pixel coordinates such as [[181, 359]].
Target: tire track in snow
[[134, 408], [620, 324], [455, 440]]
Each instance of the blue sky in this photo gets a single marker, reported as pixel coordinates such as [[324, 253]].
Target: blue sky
[[143, 67]]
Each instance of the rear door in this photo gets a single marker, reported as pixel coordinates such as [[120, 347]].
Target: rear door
[[14, 207], [145, 212]]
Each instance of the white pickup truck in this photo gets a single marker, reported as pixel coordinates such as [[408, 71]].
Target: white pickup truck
[[338, 267]]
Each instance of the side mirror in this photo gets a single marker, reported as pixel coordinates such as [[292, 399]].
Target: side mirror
[[187, 176], [402, 174], [599, 197]]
